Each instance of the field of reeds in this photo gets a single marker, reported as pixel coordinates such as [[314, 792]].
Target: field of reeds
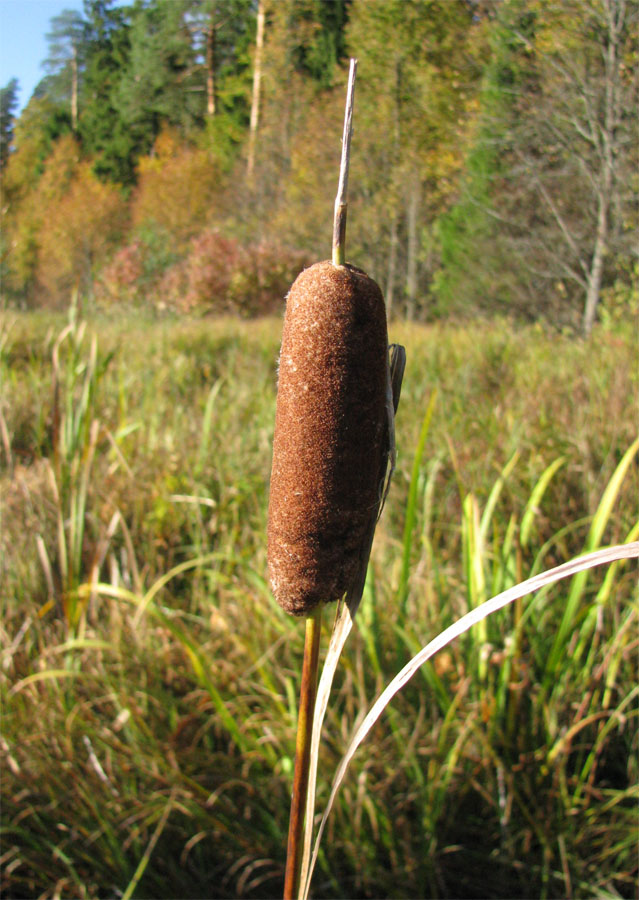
[[149, 681]]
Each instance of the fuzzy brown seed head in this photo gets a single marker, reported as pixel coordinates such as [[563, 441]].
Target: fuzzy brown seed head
[[330, 435]]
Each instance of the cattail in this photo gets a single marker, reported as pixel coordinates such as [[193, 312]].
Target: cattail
[[333, 439], [331, 436]]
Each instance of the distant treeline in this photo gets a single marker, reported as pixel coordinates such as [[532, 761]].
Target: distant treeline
[[184, 154]]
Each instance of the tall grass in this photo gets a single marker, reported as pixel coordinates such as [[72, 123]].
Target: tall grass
[[149, 702]]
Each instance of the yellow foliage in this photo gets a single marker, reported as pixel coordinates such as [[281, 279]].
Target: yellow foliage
[[61, 167], [178, 189], [78, 230], [29, 201]]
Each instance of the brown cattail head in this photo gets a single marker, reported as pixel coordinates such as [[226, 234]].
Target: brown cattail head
[[330, 442]]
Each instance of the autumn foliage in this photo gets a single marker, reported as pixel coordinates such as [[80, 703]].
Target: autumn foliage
[[78, 232], [178, 189], [178, 165], [64, 233], [217, 275]]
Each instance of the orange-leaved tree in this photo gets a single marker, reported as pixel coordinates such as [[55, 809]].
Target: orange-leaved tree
[[81, 225]]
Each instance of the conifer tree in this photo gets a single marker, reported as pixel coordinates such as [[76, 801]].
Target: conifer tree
[[8, 103], [156, 84], [104, 134], [66, 40]]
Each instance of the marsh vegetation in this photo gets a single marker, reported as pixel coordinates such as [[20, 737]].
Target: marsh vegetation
[[149, 680]]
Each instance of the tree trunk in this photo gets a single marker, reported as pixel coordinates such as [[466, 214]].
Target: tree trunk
[[257, 80], [210, 68], [74, 89], [411, 265], [596, 268], [614, 12]]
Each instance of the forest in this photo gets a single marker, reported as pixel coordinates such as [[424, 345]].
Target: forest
[[183, 156]]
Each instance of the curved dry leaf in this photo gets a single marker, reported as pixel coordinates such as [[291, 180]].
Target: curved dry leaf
[[566, 570]]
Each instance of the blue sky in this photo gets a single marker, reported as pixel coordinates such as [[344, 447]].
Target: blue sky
[[23, 26], [23, 46]]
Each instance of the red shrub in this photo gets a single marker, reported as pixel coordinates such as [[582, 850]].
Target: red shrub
[[120, 280]]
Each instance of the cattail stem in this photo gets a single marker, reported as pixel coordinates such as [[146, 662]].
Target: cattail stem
[[308, 692], [341, 200]]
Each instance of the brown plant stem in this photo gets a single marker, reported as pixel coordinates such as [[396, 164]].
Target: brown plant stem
[[341, 200], [308, 691]]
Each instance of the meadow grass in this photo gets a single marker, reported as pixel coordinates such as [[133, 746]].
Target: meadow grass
[[149, 681]]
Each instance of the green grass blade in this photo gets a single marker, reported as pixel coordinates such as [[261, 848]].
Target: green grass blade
[[473, 553], [411, 505], [566, 570], [604, 591], [207, 426], [603, 595], [495, 492], [200, 668], [473, 550], [534, 501], [198, 662], [168, 576], [49, 675], [159, 828], [578, 585]]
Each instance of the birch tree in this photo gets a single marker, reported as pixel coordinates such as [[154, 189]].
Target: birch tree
[[257, 89], [574, 147]]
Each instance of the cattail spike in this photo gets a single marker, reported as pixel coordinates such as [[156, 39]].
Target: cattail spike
[[331, 436]]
